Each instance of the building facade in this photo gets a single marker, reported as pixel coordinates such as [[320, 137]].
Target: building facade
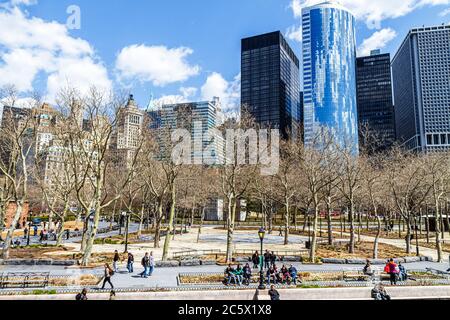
[[329, 74], [421, 77], [270, 82], [375, 103], [200, 118]]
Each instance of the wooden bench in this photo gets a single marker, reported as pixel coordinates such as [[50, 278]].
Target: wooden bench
[[355, 276], [25, 280]]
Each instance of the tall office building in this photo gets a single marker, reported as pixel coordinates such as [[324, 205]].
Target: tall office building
[[270, 82], [329, 74], [200, 118], [374, 96], [421, 75]]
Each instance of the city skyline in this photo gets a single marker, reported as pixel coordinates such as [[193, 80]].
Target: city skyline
[[202, 69]]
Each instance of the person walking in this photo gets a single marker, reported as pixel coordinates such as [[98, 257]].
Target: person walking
[[255, 260], [273, 259], [25, 232], [116, 261], [267, 259], [35, 229], [151, 264], [108, 274], [274, 294], [130, 262], [145, 263]]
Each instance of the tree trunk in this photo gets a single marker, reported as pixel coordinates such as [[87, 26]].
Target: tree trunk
[[201, 224], [408, 234], [231, 221], [171, 222], [91, 234], [438, 233], [351, 246], [12, 227], [157, 222], [377, 237], [286, 221], [141, 220], [329, 222], [312, 252]]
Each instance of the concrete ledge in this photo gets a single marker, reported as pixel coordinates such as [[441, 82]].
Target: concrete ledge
[[363, 293], [38, 262]]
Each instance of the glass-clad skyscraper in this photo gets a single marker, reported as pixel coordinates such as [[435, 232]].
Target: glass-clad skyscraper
[[329, 74], [270, 82], [375, 107]]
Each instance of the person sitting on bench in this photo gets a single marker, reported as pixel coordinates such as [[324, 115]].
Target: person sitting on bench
[[293, 272], [229, 275], [247, 274]]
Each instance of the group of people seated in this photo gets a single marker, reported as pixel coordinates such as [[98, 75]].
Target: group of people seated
[[284, 275], [396, 272], [239, 275]]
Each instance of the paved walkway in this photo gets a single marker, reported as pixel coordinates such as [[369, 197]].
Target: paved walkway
[[167, 277]]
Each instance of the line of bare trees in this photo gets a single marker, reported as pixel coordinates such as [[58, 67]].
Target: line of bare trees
[[88, 173]]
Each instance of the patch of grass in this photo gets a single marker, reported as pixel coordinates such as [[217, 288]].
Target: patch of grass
[[40, 292]]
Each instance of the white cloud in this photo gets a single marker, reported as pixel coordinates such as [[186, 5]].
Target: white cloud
[[228, 92], [294, 33], [378, 40], [156, 64], [185, 96], [23, 2], [445, 13], [373, 12], [30, 46]]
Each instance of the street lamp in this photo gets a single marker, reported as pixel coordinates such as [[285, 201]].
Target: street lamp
[[261, 234], [30, 214]]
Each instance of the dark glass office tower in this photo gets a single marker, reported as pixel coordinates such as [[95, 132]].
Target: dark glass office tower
[[270, 82], [374, 100]]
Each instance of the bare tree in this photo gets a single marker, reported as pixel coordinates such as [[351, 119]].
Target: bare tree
[[17, 136]]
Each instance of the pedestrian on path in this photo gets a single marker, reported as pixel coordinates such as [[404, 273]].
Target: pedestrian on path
[[255, 259], [25, 232], [267, 259], [116, 261], [130, 262], [108, 274], [145, 263], [151, 264]]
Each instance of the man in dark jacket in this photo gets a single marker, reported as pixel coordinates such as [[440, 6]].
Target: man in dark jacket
[[267, 259], [146, 264], [274, 294]]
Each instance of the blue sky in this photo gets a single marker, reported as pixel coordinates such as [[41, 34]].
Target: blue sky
[[176, 49]]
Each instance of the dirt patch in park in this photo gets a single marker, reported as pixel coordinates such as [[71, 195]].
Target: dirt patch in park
[[83, 280], [362, 250], [38, 252], [432, 245]]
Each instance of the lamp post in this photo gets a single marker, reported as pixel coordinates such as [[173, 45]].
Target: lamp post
[[127, 216], [29, 227], [261, 234]]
